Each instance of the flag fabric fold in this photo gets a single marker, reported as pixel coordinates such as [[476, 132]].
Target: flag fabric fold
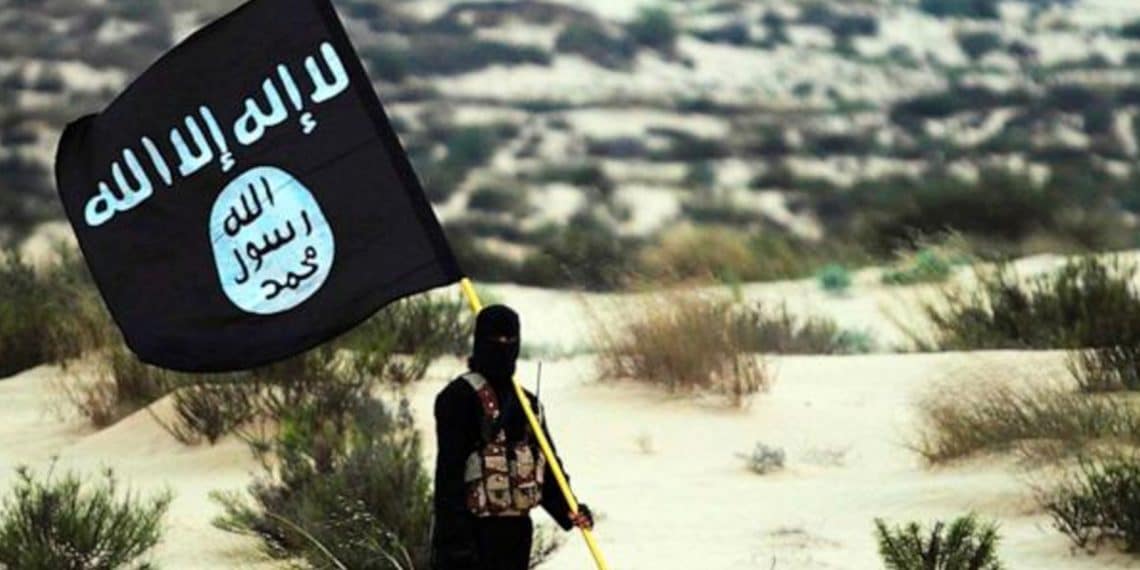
[[246, 198]]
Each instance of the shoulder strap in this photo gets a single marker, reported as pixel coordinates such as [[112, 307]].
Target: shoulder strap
[[489, 423], [490, 403]]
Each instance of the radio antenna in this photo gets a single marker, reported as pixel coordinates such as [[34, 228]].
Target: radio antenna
[[538, 386]]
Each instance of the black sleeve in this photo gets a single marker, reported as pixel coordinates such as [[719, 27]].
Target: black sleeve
[[456, 428], [552, 498]]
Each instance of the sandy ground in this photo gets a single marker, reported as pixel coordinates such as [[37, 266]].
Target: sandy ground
[[662, 472]]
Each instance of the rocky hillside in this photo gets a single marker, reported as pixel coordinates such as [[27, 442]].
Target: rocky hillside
[[564, 141]]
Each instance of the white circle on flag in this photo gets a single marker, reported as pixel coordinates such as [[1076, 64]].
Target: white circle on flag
[[273, 247]]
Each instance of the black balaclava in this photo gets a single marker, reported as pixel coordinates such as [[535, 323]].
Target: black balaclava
[[496, 345], [494, 356]]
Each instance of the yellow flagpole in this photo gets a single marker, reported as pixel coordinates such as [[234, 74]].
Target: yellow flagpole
[[536, 427]]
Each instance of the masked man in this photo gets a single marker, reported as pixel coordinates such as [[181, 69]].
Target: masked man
[[490, 471]]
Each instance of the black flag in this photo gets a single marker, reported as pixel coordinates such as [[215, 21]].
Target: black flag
[[246, 198]]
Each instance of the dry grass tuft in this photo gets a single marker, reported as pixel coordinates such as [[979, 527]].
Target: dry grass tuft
[[682, 341], [1038, 422]]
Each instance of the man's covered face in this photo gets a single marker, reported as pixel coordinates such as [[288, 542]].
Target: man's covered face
[[496, 343]]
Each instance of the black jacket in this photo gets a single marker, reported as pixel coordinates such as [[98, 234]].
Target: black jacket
[[458, 418]]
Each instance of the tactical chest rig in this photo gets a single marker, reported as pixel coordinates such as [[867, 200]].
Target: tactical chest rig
[[503, 478]]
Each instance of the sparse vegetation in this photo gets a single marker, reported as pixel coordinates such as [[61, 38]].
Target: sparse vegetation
[[593, 41], [586, 253], [978, 44], [1099, 502], [502, 199], [47, 315], [834, 278], [348, 491], [446, 54], [1107, 368], [977, 9], [709, 253], [931, 262], [1131, 30], [465, 149], [212, 410], [1037, 421], [64, 523], [683, 342], [964, 544], [23, 317], [778, 331], [1087, 303], [393, 347], [654, 28], [122, 385], [764, 459]]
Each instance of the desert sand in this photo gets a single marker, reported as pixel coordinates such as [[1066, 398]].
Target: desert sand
[[663, 473]]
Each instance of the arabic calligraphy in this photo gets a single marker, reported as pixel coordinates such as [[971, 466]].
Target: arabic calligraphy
[[200, 139], [273, 247]]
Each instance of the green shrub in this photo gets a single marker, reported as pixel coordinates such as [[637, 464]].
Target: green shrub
[[927, 266], [418, 329], [27, 188], [957, 98], [212, 410], [592, 41], [700, 174], [586, 253], [81, 321], [347, 491], [1099, 502], [385, 62], [855, 341], [481, 263], [834, 278], [732, 33], [50, 80], [683, 342], [764, 458], [587, 175], [65, 524], [710, 207], [684, 146], [48, 315], [654, 28], [965, 544], [393, 347], [500, 200], [932, 262], [467, 148], [1131, 30], [1087, 303], [977, 9], [1000, 206], [1075, 98], [978, 44], [447, 54], [843, 26], [24, 317]]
